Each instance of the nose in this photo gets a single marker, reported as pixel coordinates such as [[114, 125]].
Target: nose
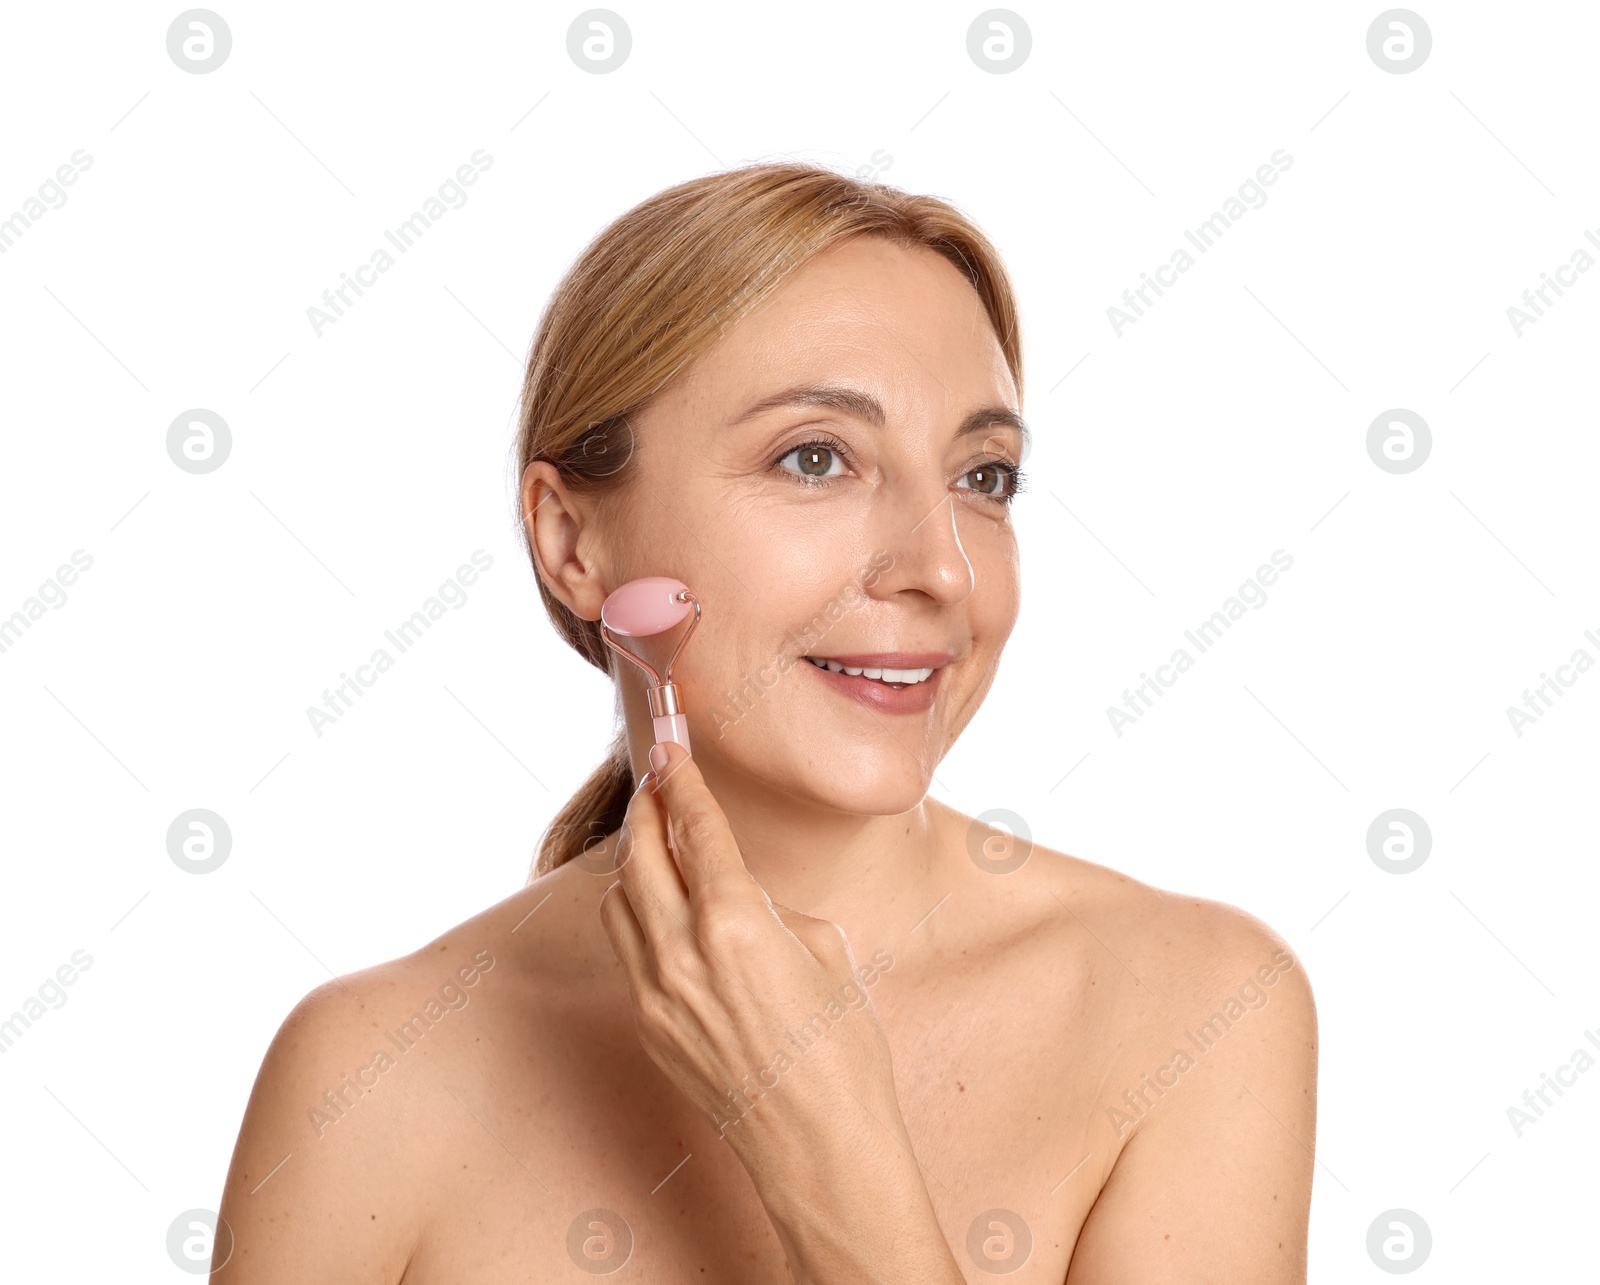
[[918, 530]]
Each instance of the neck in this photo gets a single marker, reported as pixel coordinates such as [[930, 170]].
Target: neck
[[874, 876]]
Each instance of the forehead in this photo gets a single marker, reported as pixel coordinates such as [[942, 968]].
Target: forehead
[[901, 321]]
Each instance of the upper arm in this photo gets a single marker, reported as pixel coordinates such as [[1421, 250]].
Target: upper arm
[[1214, 1182], [312, 1193]]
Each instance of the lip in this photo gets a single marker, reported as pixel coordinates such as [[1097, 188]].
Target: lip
[[894, 660], [879, 697]]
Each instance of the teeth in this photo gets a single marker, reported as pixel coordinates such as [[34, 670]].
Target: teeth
[[904, 676]]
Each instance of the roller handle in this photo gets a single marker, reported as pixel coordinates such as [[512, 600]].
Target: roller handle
[[672, 727]]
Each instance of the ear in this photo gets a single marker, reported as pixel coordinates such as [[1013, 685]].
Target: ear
[[560, 526]]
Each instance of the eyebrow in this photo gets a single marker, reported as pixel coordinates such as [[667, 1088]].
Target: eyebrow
[[863, 405]]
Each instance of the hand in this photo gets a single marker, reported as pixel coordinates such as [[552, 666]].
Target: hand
[[754, 1011]]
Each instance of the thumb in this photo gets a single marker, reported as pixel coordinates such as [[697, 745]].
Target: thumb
[[705, 845]]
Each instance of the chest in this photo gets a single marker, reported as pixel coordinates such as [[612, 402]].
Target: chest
[[573, 1153]]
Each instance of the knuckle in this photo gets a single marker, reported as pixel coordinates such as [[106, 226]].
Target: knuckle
[[731, 929], [679, 966], [695, 829]]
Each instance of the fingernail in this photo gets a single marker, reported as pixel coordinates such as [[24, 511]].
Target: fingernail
[[658, 757]]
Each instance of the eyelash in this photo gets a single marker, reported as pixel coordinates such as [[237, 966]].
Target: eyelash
[[1018, 479]]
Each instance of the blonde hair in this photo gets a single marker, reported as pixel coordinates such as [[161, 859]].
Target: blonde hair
[[652, 292]]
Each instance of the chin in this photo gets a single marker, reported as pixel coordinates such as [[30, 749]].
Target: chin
[[883, 790]]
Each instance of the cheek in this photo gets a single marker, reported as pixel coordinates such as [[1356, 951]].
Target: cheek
[[997, 581], [788, 565]]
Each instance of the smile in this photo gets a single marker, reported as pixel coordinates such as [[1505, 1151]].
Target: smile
[[901, 682], [894, 677]]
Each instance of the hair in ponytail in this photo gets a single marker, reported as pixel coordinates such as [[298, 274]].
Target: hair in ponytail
[[652, 292]]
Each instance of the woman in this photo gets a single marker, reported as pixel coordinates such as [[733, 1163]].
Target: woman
[[861, 1037]]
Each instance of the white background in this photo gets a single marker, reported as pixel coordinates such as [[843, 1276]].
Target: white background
[[1228, 422]]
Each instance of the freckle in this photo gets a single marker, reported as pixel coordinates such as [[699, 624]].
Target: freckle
[[1168, 1236]]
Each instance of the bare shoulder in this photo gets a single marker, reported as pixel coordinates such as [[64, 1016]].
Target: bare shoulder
[[1195, 946], [359, 1096], [1204, 1119], [1178, 950]]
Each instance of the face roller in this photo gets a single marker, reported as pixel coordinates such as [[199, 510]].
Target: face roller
[[639, 609]]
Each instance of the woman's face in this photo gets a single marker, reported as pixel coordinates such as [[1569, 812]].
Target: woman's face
[[885, 532]]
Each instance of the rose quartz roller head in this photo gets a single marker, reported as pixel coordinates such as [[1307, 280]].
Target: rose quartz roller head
[[641, 608]]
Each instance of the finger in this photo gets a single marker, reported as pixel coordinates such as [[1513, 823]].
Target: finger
[[649, 878], [707, 854], [627, 937]]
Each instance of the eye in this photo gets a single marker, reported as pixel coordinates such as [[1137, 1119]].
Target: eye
[[996, 480], [815, 461]]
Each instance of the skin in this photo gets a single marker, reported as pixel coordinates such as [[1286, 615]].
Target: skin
[[1027, 1047]]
